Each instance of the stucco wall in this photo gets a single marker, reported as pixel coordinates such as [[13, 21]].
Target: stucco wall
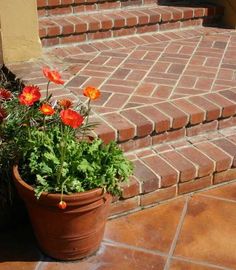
[[19, 30]]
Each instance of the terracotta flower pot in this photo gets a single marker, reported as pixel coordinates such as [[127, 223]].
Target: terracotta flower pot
[[69, 234]]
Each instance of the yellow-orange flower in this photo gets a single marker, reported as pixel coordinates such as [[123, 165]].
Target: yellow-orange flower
[[47, 109], [29, 95], [53, 76], [92, 92], [65, 103]]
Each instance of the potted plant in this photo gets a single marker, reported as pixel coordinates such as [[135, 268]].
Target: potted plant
[[65, 179]]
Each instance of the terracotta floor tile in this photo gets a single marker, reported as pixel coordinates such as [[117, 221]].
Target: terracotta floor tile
[[209, 232], [18, 250], [182, 265], [152, 229], [113, 258], [224, 192]]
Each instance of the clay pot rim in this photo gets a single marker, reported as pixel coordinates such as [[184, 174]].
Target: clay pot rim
[[93, 193]]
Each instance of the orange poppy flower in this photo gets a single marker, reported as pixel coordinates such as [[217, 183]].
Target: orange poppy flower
[[53, 76], [47, 109], [92, 92], [65, 103], [29, 95], [5, 94], [71, 118]]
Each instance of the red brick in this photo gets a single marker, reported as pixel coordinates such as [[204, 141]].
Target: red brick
[[225, 176], [148, 180], [60, 11], [179, 118], [104, 131], [123, 206], [160, 120], [202, 128], [142, 18], [228, 107], [80, 26], [174, 135], [222, 160], [186, 169], [212, 111], [228, 147], [131, 189], [158, 196], [53, 2], [73, 39], [226, 123], [196, 114], [99, 35], [168, 175], [118, 21], [66, 26], [229, 95], [154, 15], [204, 164], [125, 130], [136, 144], [195, 185]]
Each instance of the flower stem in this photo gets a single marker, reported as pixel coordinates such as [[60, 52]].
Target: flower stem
[[87, 118], [63, 154], [47, 95]]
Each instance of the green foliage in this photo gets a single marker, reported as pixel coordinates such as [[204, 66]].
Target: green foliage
[[86, 165]]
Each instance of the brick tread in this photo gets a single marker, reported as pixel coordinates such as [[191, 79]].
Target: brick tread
[[98, 25], [164, 118]]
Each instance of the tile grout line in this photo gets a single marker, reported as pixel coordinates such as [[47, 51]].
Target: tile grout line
[[135, 248], [179, 227], [201, 263], [217, 198]]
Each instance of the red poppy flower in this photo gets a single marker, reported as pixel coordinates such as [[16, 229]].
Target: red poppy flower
[[65, 103], [53, 76], [91, 92], [47, 109], [5, 94], [71, 118], [29, 95], [3, 114]]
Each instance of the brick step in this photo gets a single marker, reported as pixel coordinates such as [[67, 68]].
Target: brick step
[[76, 28], [166, 171], [148, 125], [62, 7]]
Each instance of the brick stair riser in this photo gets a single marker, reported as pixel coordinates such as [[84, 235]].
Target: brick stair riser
[[73, 7], [166, 171], [73, 29]]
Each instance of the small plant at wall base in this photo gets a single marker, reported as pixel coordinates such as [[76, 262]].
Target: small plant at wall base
[[55, 159]]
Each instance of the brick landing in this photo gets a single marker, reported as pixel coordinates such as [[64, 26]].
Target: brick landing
[[190, 233]]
